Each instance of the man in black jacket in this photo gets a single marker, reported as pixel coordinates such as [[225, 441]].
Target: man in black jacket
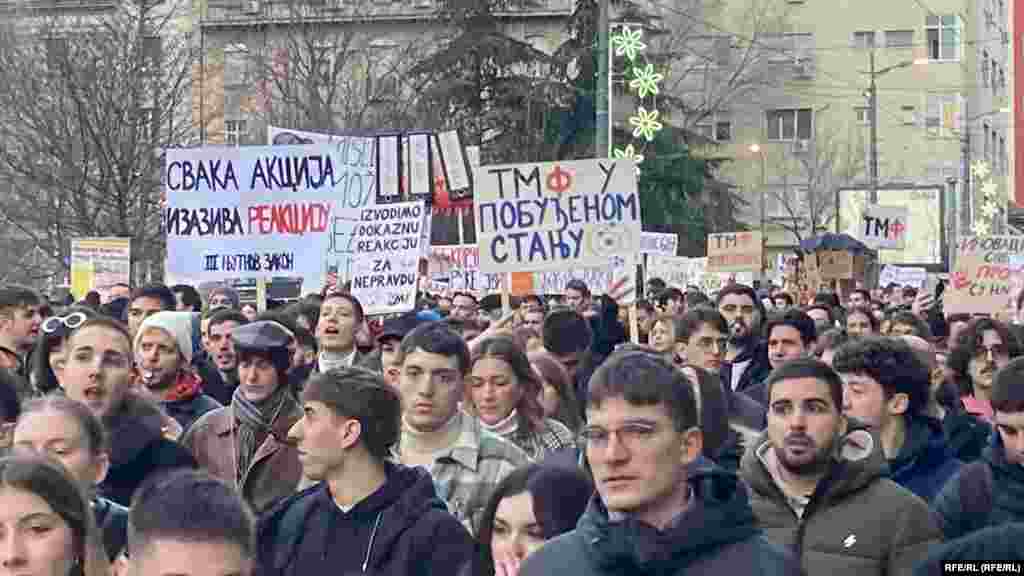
[[219, 371], [365, 515], [99, 373], [747, 357], [659, 507]]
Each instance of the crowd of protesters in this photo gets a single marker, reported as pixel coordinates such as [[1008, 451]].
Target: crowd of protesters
[[168, 431]]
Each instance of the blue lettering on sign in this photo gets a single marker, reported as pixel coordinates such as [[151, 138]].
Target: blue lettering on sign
[[189, 175]]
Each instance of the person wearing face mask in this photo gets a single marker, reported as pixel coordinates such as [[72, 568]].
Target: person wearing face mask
[[531, 506], [746, 359], [984, 347], [989, 491]]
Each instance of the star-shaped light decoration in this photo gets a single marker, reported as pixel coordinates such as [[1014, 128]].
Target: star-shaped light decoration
[[627, 42], [980, 169], [645, 80], [629, 154], [645, 123], [981, 228], [989, 209], [989, 189]]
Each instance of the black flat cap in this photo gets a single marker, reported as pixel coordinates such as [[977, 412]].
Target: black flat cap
[[262, 336]]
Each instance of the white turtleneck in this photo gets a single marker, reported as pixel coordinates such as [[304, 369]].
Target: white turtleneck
[[330, 360], [421, 448], [503, 428]]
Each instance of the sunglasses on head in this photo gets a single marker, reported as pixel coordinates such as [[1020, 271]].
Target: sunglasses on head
[[70, 322]]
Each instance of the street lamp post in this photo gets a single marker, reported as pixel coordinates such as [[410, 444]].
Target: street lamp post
[[873, 112], [756, 149]]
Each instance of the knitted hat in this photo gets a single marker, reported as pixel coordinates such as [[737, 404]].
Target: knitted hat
[[177, 324]]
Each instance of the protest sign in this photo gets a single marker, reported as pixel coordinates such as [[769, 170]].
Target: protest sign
[[884, 227], [556, 216], [984, 275], [457, 267], [598, 279], [99, 263], [658, 243], [385, 270], [259, 211], [839, 265], [734, 252], [902, 275], [674, 270]]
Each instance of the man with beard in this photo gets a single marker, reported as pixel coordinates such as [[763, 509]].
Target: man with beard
[[818, 483], [747, 358], [163, 347], [983, 348], [219, 371]]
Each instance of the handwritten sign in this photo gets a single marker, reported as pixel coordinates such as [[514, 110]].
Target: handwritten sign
[[658, 243], [686, 272], [556, 216], [985, 274], [259, 211], [902, 275], [734, 252], [884, 227], [385, 270], [99, 263]]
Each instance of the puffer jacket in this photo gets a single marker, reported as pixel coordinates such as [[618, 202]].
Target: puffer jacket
[[716, 535], [856, 523]]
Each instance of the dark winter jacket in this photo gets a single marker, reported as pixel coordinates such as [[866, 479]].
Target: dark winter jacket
[[112, 520], [924, 463], [138, 449], [402, 529], [856, 523], [1000, 501], [966, 435], [752, 381], [995, 543], [717, 534], [186, 412], [214, 383]]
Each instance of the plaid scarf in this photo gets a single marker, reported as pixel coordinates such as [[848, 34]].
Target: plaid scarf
[[255, 422]]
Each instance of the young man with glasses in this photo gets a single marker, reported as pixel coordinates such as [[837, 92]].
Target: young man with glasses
[[466, 461], [659, 508], [704, 335], [366, 514], [983, 348]]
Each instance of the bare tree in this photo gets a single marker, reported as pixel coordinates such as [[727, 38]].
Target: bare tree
[[319, 67], [807, 178], [714, 58], [88, 104]]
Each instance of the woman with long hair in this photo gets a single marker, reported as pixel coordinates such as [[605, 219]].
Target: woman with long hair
[[68, 432], [46, 524], [530, 506], [48, 354], [557, 396], [503, 394]]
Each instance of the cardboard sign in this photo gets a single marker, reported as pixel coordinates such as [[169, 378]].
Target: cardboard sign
[[384, 273], [985, 275], [885, 227], [839, 265], [734, 252], [556, 216], [659, 243]]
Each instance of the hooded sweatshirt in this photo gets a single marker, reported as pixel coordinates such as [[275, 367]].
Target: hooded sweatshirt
[[402, 529], [717, 534], [1005, 495], [138, 449], [856, 523], [924, 463]]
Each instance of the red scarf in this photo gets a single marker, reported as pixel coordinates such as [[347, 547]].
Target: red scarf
[[186, 387]]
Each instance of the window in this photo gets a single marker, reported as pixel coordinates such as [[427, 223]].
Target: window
[[985, 149], [234, 132], [717, 128], [382, 77], [56, 53], [984, 68], [943, 36], [942, 115], [152, 48], [1002, 156], [863, 115], [899, 38], [788, 47], [863, 40], [235, 65], [909, 115], [790, 124]]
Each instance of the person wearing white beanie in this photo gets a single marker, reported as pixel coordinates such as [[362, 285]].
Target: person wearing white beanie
[[163, 350]]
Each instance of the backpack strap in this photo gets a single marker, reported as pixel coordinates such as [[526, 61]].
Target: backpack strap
[[975, 495]]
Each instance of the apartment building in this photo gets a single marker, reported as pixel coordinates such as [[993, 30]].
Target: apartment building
[[327, 64], [942, 79]]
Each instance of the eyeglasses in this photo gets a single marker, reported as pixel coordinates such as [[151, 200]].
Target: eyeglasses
[[70, 322], [630, 435]]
